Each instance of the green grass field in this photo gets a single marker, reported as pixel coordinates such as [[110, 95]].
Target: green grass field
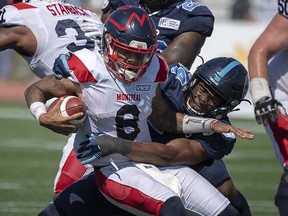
[[29, 157]]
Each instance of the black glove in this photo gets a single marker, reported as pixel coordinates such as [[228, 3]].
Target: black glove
[[61, 68], [89, 150], [267, 109]]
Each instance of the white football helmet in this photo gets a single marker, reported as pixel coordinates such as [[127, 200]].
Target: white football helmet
[[34, 1]]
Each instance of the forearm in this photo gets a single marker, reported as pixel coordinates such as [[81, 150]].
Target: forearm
[[177, 151], [152, 152]]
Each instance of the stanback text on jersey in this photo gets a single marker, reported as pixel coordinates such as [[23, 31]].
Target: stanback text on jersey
[[61, 10]]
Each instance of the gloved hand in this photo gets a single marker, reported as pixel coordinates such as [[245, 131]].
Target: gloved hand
[[89, 150], [61, 68], [92, 28], [268, 109]]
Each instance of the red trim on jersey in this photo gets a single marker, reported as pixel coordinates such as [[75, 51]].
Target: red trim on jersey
[[280, 130], [80, 70], [163, 70], [21, 6], [71, 172], [127, 195]]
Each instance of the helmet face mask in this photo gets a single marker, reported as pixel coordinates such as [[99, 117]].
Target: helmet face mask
[[128, 43], [226, 79], [202, 100]]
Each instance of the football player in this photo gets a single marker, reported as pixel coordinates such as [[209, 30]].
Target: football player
[[182, 26], [189, 34], [40, 31], [214, 90], [268, 68], [128, 72]]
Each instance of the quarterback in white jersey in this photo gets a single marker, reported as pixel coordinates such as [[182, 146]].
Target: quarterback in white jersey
[[40, 32], [117, 89]]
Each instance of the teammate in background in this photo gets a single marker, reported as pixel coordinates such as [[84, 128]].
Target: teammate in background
[[42, 30], [182, 26], [268, 68], [129, 62]]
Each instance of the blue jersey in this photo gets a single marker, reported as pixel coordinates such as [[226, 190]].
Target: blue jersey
[[179, 17], [216, 145]]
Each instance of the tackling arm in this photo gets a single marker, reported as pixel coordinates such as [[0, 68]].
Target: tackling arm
[[177, 151]]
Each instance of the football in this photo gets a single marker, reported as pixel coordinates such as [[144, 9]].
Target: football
[[69, 106]]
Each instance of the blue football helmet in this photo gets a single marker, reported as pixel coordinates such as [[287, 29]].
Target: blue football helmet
[[225, 77], [128, 42]]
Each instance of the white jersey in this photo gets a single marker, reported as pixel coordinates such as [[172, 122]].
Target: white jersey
[[58, 27], [114, 107]]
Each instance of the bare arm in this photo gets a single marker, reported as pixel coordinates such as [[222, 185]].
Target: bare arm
[[163, 117], [177, 151], [184, 48], [49, 87], [19, 38], [272, 40]]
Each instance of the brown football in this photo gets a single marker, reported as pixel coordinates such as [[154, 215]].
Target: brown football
[[69, 106]]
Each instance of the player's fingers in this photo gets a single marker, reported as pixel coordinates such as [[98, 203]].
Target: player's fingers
[[75, 116]]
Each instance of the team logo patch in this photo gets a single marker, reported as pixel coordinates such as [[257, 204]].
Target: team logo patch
[[141, 88], [165, 22]]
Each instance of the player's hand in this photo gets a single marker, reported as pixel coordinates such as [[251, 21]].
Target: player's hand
[[92, 28], [268, 109], [221, 127], [54, 121], [61, 68], [89, 150]]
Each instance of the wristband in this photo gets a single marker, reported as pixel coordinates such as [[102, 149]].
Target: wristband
[[193, 124], [213, 123], [111, 145], [37, 109], [259, 88]]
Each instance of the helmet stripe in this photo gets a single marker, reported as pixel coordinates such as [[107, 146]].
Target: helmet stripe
[[226, 70]]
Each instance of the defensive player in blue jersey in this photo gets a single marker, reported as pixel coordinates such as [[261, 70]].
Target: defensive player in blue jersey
[[182, 26]]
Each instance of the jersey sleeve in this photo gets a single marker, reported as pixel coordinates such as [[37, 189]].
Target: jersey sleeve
[[79, 67], [200, 19], [173, 88], [11, 15]]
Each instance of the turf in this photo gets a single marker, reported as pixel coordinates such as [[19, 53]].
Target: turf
[[29, 157]]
